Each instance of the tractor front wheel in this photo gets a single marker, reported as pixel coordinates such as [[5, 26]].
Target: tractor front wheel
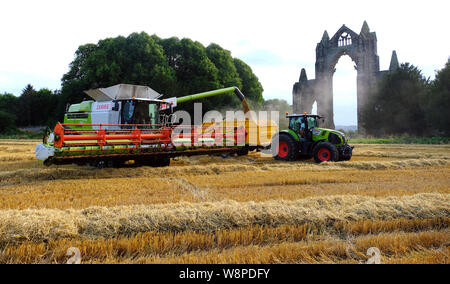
[[325, 152], [284, 148]]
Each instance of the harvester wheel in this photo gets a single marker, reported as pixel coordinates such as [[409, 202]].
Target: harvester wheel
[[163, 162], [156, 162], [101, 165], [285, 149], [325, 152], [243, 151]]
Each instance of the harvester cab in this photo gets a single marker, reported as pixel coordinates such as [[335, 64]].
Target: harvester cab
[[304, 139], [119, 106], [148, 112]]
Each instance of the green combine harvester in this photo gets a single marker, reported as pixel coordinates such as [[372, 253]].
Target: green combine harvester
[[132, 123]]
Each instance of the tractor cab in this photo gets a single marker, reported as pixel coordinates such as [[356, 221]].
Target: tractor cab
[[302, 124]]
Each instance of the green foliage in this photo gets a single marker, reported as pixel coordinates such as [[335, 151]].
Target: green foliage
[[7, 121], [251, 87], [36, 107], [9, 103], [228, 75], [32, 108], [438, 114], [282, 107], [194, 71], [399, 105], [171, 66], [15, 133], [137, 59]]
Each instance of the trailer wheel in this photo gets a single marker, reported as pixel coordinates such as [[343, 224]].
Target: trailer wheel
[[325, 152], [284, 148]]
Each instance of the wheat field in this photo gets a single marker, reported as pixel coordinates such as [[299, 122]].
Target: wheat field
[[249, 209]]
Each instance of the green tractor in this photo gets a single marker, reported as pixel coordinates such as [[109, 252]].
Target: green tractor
[[304, 140]]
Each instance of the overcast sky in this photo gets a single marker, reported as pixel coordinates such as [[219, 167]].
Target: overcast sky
[[276, 38]]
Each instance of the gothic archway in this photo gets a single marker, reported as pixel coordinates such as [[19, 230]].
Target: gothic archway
[[362, 49]]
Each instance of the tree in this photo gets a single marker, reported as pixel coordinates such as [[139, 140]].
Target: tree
[[7, 121], [195, 72], [438, 115], [43, 109], [251, 87], [282, 107], [398, 107], [172, 67], [9, 103], [8, 109], [137, 59], [26, 101], [228, 75]]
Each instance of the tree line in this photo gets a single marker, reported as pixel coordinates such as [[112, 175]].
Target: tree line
[[31, 108]]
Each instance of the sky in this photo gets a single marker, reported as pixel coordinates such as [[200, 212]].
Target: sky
[[38, 39]]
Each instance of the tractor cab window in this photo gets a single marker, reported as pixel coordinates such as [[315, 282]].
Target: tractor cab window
[[297, 124], [312, 122]]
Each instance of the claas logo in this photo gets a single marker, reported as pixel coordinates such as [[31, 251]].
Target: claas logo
[[104, 106]]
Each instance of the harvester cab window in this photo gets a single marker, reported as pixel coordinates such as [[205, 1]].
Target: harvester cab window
[[153, 111], [127, 112], [141, 113]]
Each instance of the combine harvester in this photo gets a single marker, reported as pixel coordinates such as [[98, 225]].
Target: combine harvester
[[126, 123]]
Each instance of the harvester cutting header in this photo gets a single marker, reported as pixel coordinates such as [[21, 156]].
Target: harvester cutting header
[[129, 122]]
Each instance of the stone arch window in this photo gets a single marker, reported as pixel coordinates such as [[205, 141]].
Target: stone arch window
[[345, 39]]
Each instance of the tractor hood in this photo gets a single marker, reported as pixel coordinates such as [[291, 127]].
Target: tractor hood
[[319, 131], [323, 133], [122, 91]]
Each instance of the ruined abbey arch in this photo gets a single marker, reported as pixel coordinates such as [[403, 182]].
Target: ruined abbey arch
[[362, 49]]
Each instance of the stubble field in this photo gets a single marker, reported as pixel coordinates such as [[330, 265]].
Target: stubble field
[[248, 209]]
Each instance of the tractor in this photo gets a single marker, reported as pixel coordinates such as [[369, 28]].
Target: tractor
[[304, 140]]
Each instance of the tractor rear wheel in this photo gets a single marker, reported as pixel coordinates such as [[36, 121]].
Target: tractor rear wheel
[[284, 148], [325, 152]]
